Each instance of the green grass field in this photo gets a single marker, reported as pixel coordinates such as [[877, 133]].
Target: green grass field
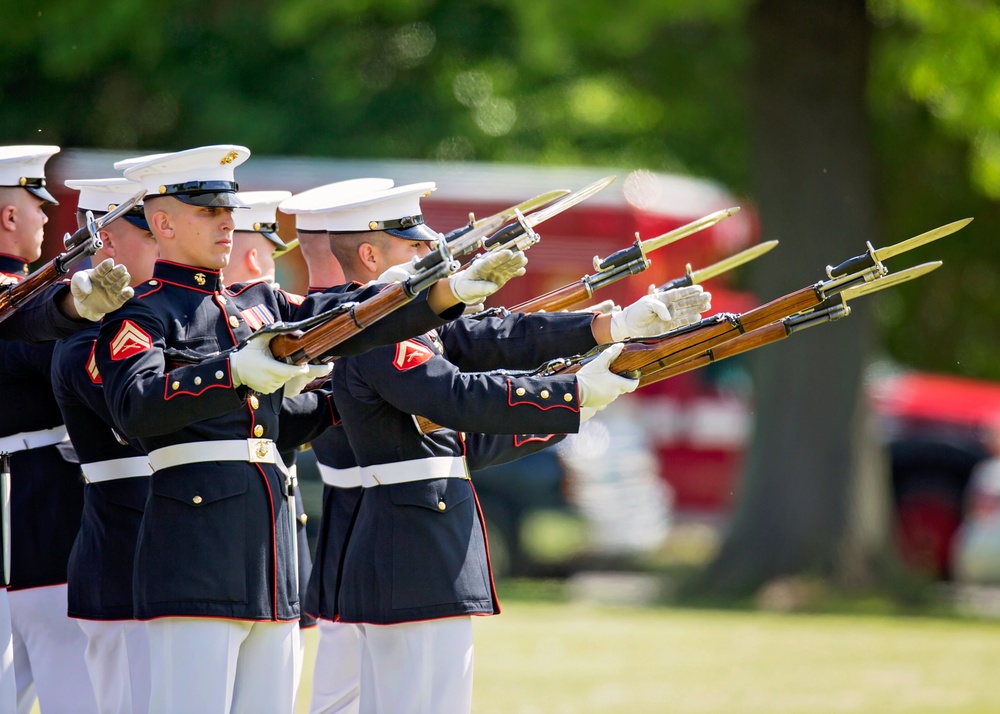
[[541, 657]]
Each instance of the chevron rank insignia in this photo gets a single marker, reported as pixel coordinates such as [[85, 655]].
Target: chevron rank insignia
[[411, 353], [130, 340], [92, 372]]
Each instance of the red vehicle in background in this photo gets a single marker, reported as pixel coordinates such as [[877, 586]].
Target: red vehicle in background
[[935, 427]]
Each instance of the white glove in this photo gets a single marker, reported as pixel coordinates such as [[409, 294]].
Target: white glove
[[396, 274], [486, 274], [604, 307], [598, 385], [295, 385], [660, 312], [255, 366], [100, 290]]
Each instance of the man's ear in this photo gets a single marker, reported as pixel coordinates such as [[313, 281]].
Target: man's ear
[[161, 224], [8, 217], [253, 263], [110, 246], [366, 254]]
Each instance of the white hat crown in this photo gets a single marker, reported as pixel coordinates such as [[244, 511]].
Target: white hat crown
[[311, 207], [102, 194]]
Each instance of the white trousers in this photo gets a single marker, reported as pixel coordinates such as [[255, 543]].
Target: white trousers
[[419, 667], [8, 687], [336, 676], [117, 660], [49, 653], [222, 666]]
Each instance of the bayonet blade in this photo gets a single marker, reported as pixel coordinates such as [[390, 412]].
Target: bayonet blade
[[567, 201], [922, 239], [733, 261], [889, 280], [465, 240], [120, 210], [96, 224], [687, 229], [875, 256], [532, 204]]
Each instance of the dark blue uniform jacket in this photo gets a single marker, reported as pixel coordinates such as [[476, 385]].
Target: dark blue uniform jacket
[[215, 538]]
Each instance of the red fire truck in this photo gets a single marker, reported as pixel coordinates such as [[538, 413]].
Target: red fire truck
[[935, 427]]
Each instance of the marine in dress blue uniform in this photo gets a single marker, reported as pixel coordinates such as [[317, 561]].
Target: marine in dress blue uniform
[[336, 679], [52, 313], [213, 556], [46, 490], [418, 506], [117, 478]]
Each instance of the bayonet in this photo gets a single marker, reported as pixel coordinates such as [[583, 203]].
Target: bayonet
[[695, 277], [641, 247], [501, 218], [875, 256], [830, 311], [94, 225], [526, 223]]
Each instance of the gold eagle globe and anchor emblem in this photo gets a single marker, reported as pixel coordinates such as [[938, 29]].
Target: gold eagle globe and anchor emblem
[[229, 158], [200, 278]]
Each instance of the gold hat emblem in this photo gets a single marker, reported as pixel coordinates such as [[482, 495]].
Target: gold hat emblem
[[199, 278], [23, 181], [163, 189], [373, 225], [229, 158], [112, 206], [256, 226]]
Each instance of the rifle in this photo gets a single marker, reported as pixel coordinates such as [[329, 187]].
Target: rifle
[[651, 355], [833, 309], [618, 265], [84, 243], [309, 340], [498, 220], [520, 235]]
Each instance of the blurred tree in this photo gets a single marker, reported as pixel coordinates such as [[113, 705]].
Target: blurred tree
[[813, 175]]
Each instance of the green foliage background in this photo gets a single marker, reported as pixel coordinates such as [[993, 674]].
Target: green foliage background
[[644, 84]]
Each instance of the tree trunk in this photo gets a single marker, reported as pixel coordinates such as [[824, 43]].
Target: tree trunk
[[800, 507]]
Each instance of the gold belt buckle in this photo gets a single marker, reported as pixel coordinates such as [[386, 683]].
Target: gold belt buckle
[[261, 451]]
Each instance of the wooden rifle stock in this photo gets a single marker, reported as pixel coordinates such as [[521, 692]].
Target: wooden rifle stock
[[558, 299], [303, 346], [16, 294], [744, 343]]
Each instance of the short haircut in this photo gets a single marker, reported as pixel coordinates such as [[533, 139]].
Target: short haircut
[[344, 246]]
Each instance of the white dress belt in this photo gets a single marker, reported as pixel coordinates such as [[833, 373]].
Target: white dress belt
[[115, 469], [33, 439], [414, 470], [341, 478], [258, 451]]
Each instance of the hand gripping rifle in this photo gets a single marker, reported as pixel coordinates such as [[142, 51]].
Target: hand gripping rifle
[[82, 244], [621, 264], [309, 340]]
